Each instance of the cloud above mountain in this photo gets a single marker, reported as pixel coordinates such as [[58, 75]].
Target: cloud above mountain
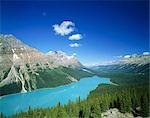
[[127, 56], [73, 45], [75, 37], [65, 28]]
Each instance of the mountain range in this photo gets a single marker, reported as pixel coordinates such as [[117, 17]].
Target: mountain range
[[23, 68], [126, 71], [135, 63]]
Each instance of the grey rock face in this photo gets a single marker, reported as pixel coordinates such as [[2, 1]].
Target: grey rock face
[[19, 61], [114, 113]]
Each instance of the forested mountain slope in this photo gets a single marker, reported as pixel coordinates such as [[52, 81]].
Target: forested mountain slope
[[23, 68], [133, 70]]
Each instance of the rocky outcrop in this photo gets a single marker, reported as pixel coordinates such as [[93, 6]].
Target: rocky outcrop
[[114, 113]]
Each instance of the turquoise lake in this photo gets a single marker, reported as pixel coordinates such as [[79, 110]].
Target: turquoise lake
[[48, 97]]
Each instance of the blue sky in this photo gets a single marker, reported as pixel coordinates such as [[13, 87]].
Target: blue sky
[[107, 28]]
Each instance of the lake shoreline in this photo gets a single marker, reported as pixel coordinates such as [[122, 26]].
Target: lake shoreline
[[52, 87], [40, 98]]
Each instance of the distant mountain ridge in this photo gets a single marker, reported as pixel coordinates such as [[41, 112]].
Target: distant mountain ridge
[[127, 71], [23, 68], [137, 64]]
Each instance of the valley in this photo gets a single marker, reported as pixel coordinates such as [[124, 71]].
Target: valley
[[25, 69], [28, 73]]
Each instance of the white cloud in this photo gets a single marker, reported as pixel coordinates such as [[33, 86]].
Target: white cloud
[[127, 56], [146, 53], [75, 37], [74, 45], [120, 56], [65, 28]]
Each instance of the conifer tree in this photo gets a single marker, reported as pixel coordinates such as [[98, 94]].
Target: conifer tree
[[144, 106]]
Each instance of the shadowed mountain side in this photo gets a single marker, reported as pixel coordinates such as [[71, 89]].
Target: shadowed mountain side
[[23, 68]]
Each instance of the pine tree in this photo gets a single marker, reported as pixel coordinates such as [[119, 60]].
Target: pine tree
[[95, 110], [144, 106], [60, 111]]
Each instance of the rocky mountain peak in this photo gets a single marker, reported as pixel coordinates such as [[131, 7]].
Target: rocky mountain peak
[[61, 58], [18, 62], [17, 52]]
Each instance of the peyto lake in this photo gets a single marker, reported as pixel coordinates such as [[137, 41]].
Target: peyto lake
[[48, 97]]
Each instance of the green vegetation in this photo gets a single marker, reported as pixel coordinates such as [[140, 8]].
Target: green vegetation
[[11, 88], [126, 74], [126, 78], [56, 76], [77, 73], [125, 99], [131, 94], [48, 78]]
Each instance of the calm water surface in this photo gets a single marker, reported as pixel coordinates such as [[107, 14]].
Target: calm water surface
[[48, 97]]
